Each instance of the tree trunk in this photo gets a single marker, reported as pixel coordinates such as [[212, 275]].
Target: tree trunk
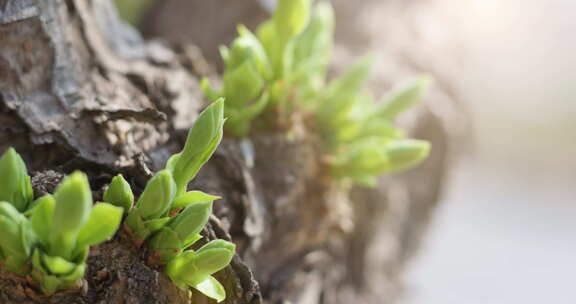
[[79, 90]]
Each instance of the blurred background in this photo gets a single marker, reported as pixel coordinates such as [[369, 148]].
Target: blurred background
[[504, 230]]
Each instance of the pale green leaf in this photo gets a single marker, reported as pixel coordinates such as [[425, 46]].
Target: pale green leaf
[[402, 98], [211, 288]]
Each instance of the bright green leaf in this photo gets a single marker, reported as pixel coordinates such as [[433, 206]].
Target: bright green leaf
[[157, 196], [156, 224], [57, 265], [73, 203], [15, 186], [211, 288], [192, 219], [42, 218], [202, 141], [119, 193], [103, 222], [192, 197]]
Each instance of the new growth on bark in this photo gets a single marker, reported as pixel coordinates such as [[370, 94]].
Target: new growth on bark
[[81, 90]]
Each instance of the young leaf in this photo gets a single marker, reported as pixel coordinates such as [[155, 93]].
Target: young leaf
[[11, 242], [157, 196], [17, 238], [218, 244], [42, 218], [119, 193], [15, 186], [211, 288], [167, 243], [191, 220], [191, 240], [247, 48], [73, 203], [343, 93], [77, 274], [313, 46], [137, 225], [362, 158], [156, 224], [57, 265], [209, 261], [266, 33], [192, 197], [194, 267], [403, 98], [202, 141], [101, 225], [242, 84], [291, 17], [404, 154]]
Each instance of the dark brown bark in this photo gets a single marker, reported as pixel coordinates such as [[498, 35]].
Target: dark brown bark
[[80, 90]]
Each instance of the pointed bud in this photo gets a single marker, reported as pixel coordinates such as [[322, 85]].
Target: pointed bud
[[15, 186], [202, 141], [119, 193], [246, 48]]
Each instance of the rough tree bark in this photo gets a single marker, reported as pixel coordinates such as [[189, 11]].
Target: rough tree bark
[[80, 90]]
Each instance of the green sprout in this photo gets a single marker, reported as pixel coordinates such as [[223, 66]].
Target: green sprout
[[17, 241], [283, 69], [49, 238], [15, 186], [258, 67], [66, 225], [170, 218], [195, 268], [119, 193], [360, 134]]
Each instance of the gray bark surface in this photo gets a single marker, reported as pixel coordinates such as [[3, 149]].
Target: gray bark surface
[[81, 90]]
